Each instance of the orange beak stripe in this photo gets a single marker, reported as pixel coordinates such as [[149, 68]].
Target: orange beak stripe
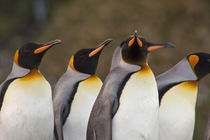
[[154, 48], [130, 43], [139, 42], [95, 51], [40, 50]]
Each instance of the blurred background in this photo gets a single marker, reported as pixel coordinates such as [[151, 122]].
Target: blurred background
[[85, 24]]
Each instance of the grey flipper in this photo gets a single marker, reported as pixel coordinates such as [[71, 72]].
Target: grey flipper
[[4, 88], [16, 71], [107, 103], [63, 95], [179, 73], [207, 131]]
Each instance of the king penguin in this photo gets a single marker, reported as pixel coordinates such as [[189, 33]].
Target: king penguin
[[178, 93], [127, 105], [26, 109], [75, 94]]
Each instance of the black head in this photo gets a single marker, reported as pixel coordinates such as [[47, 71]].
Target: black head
[[135, 49], [30, 55], [200, 63], [86, 60]]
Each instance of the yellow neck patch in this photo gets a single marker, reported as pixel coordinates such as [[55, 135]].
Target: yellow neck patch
[[16, 57], [145, 69], [191, 84], [92, 84], [188, 90], [33, 74], [71, 63], [193, 59], [184, 93], [92, 79]]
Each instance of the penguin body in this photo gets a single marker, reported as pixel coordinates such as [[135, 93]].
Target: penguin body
[[32, 115], [75, 94], [139, 103], [119, 112], [76, 123], [26, 110], [179, 100], [178, 94]]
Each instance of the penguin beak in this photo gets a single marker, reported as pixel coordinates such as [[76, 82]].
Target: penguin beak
[[100, 47], [156, 46], [46, 46], [135, 38]]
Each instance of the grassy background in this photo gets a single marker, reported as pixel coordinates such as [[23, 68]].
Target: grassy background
[[85, 24]]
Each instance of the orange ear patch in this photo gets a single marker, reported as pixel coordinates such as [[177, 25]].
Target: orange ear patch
[[193, 59], [130, 43], [95, 51], [139, 42], [39, 50], [71, 63], [16, 57]]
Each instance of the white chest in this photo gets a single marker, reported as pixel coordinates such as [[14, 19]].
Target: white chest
[[27, 111], [76, 123], [177, 112], [137, 115]]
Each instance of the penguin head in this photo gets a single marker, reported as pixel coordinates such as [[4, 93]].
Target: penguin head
[[135, 49], [200, 63], [30, 55], [86, 60]]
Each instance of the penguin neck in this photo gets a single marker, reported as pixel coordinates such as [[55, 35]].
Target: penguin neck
[[79, 75], [129, 67], [116, 58], [179, 73], [186, 91], [145, 68], [33, 74], [190, 90], [17, 71]]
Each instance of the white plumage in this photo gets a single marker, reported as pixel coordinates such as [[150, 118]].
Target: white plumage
[[137, 115], [27, 111], [75, 126], [177, 112]]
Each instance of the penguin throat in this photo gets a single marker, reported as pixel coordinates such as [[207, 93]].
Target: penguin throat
[[145, 68], [33, 74], [137, 60]]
